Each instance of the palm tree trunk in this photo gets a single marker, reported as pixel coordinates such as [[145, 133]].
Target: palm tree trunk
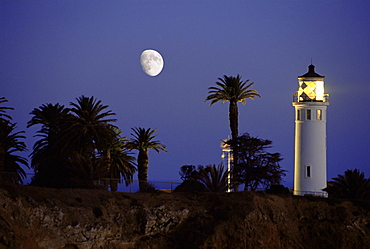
[[233, 119], [142, 164]]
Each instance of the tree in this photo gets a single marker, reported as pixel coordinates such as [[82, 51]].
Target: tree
[[3, 115], [214, 178], [73, 140], [211, 178], [143, 141], [10, 144], [257, 167], [116, 162], [5, 121], [186, 172], [352, 184], [85, 134], [49, 165], [233, 90], [11, 170]]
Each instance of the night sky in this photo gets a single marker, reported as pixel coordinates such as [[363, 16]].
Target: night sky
[[56, 51]]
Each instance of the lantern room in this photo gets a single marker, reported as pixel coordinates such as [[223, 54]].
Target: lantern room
[[311, 87]]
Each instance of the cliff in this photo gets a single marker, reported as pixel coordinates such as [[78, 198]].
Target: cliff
[[32, 217]]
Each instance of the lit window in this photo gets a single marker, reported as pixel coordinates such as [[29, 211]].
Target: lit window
[[308, 171], [298, 114], [319, 114], [308, 114]]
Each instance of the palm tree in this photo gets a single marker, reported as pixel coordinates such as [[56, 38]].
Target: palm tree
[[233, 90], [10, 169], [3, 115], [143, 141], [116, 162], [215, 179], [48, 163], [4, 120], [352, 184], [50, 117], [86, 133]]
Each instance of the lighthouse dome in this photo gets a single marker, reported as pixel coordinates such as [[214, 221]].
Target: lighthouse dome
[[311, 72]]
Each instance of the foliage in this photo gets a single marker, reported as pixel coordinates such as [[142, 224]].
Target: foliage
[[143, 141], [10, 144], [116, 162], [78, 146], [257, 167], [213, 178], [186, 172], [46, 153], [233, 90], [352, 184], [277, 189], [191, 185]]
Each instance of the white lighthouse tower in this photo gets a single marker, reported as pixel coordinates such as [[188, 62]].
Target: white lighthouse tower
[[310, 104]]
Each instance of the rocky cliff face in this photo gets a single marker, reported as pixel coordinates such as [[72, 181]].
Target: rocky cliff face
[[33, 217]]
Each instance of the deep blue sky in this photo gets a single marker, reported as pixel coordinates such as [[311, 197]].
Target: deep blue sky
[[56, 51]]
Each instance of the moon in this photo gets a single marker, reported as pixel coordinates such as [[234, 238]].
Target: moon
[[152, 62]]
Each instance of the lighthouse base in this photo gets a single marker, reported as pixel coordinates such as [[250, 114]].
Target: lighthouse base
[[311, 193]]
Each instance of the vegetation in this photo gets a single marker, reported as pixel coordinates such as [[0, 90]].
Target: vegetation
[[214, 178], [143, 141], [211, 178], [257, 167], [352, 184], [117, 161], [233, 90], [10, 145], [79, 146]]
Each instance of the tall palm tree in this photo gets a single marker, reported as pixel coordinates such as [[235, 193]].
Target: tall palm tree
[[86, 133], [48, 163], [116, 163], [50, 117], [233, 90], [10, 164], [352, 184], [143, 142]]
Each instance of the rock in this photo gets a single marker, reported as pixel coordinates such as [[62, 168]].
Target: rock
[[32, 217]]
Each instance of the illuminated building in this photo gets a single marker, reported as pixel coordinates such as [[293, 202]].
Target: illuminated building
[[310, 104]]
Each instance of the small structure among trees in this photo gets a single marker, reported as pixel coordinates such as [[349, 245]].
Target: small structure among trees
[[256, 168]]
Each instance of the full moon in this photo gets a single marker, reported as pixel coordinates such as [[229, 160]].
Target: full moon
[[152, 62]]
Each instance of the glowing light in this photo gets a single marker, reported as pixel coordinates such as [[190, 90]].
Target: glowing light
[[311, 90]]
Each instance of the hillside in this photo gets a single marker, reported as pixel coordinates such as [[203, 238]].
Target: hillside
[[32, 217]]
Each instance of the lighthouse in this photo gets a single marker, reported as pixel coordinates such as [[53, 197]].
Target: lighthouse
[[310, 103]]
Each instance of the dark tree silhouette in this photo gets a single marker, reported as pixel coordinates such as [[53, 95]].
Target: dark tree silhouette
[[213, 177], [10, 144], [85, 134], [143, 141], [352, 184], [186, 172], [78, 147], [51, 168], [233, 90], [115, 162], [257, 167], [10, 163]]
